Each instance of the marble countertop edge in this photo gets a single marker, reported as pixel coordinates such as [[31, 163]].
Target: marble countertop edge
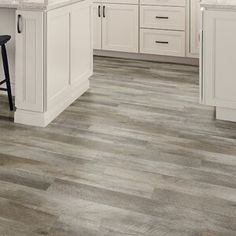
[[35, 4], [219, 4]]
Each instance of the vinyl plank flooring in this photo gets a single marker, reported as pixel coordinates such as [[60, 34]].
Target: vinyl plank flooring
[[36, 220], [136, 155]]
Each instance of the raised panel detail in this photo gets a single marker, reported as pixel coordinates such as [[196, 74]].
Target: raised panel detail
[[29, 62]]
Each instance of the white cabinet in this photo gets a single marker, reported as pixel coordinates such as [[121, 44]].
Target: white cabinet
[[54, 59], [162, 42], [162, 17], [218, 70], [29, 61], [118, 27], [194, 28], [97, 26], [162, 28], [158, 27]]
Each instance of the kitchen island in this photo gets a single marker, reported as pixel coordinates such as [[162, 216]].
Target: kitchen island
[[218, 57], [50, 55]]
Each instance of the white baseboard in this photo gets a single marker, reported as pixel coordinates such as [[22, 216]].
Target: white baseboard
[[30, 118], [41, 119], [225, 114], [148, 57]]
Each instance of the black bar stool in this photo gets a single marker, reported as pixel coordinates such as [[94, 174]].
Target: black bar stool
[[3, 40]]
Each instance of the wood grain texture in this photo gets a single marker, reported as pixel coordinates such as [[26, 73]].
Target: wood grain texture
[[134, 156]]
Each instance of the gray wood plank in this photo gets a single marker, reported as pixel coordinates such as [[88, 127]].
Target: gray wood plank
[[134, 156]]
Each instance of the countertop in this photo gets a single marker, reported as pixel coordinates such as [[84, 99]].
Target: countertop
[[219, 4], [35, 4]]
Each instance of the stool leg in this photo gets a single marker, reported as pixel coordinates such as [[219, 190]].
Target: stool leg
[[7, 76]]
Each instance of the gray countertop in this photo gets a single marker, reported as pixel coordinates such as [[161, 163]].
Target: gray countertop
[[219, 4], [35, 4]]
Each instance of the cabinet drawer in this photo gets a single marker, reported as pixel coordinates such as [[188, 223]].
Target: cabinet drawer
[[159, 17], [163, 2], [162, 42]]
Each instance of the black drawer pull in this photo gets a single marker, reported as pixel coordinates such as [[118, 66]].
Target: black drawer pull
[[19, 24], [163, 42], [99, 11], [162, 17], [104, 11]]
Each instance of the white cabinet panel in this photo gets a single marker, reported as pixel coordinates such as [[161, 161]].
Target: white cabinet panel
[[58, 48], [194, 27], [162, 42], [97, 26], [69, 51], [29, 61], [120, 27], [219, 56], [80, 42], [161, 17]]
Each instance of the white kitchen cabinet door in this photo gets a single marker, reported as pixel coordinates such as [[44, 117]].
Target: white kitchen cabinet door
[[218, 81], [120, 27], [194, 27], [97, 26], [29, 61]]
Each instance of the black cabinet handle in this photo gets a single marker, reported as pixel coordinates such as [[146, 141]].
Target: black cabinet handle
[[99, 11], [104, 13], [162, 17], [162, 42], [19, 22]]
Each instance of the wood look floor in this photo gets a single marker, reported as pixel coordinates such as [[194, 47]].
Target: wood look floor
[[134, 156]]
